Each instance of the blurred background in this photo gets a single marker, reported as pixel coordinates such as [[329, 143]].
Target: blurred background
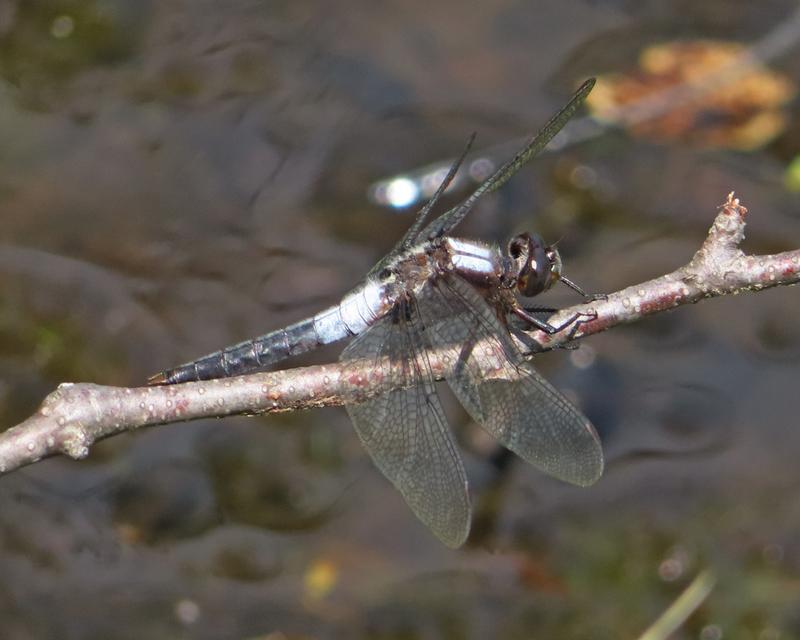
[[178, 176]]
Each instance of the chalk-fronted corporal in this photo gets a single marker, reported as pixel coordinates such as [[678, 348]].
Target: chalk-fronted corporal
[[457, 298]]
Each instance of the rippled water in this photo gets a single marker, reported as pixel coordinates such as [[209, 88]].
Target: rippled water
[[178, 176]]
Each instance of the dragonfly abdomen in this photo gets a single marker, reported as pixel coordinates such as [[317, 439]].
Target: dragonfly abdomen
[[357, 311]]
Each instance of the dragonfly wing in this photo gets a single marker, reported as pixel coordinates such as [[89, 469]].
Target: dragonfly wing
[[404, 428], [447, 221], [410, 236], [502, 391]]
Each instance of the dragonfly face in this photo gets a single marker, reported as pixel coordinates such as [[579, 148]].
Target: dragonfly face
[[538, 266]]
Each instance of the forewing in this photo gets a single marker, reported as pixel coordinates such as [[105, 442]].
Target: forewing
[[502, 391], [404, 428], [447, 221], [413, 231]]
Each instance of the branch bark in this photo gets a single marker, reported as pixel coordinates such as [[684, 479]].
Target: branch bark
[[75, 416]]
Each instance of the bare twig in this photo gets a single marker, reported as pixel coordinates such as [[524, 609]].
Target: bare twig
[[75, 416]]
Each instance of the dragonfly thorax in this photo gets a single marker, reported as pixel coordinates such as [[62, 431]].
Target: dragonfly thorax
[[537, 265]]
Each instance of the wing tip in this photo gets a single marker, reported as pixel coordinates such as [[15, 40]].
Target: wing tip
[[588, 481], [461, 535]]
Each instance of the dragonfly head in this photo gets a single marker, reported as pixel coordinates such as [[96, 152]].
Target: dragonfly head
[[538, 266]]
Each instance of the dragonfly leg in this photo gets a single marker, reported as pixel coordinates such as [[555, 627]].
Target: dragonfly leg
[[532, 344], [576, 319], [589, 297], [537, 309], [532, 347], [543, 325]]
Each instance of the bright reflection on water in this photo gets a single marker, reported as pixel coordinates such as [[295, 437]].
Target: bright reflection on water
[[397, 193]]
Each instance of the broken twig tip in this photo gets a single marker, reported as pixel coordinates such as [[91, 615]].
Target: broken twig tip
[[733, 206]]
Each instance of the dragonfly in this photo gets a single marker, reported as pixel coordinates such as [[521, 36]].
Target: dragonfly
[[434, 296]]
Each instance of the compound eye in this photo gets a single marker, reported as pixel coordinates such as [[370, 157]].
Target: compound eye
[[532, 268]]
